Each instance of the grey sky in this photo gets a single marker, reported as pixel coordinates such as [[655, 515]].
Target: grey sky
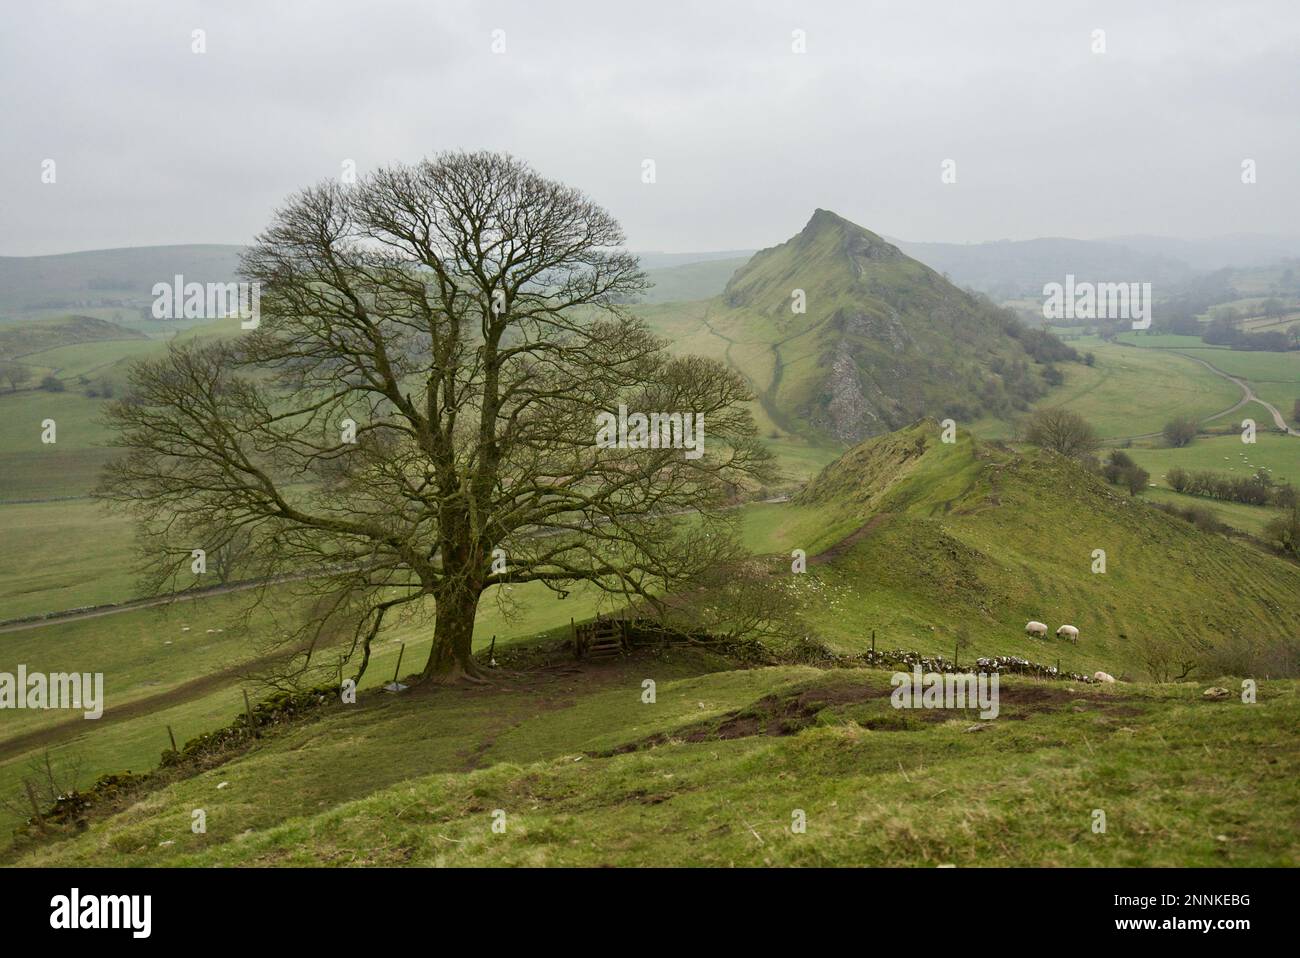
[[155, 144]]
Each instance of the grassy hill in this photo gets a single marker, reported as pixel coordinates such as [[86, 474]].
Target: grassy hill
[[28, 339], [719, 768], [691, 281], [916, 540], [882, 340], [112, 279], [981, 537]]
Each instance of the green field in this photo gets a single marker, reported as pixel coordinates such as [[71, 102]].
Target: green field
[[1275, 377], [148, 655], [1131, 392], [1249, 519], [70, 466], [1279, 454], [914, 543], [74, 553], [91, 360]]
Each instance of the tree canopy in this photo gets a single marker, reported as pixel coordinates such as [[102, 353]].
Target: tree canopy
[[415, 415]]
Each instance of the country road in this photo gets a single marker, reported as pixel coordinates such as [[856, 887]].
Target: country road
[[1247, 396]]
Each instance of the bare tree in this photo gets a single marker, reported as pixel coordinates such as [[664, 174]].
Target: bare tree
[[1136, 479], [1170, 657], [15, 374], [1061, 430], [43, 783], [462, 317], [230, 555], [1180, 431]]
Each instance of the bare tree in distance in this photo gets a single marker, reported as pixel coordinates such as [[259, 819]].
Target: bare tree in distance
[[1061, 430], [464, 313], [16, 374], [1180, 431]]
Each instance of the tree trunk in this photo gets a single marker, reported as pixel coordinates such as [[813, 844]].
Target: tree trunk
[[451, 660]]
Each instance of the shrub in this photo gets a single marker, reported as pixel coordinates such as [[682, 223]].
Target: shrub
[[1283, 533], [1061, 430], [1179, 432], [1135, 478], [1204, 519], [1256, 490], [52, 384]]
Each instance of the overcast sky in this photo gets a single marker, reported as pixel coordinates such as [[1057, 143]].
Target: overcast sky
[[156, 144]]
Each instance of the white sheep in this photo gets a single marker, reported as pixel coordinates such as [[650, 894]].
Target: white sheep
[[1068, 632], [1037, 629]]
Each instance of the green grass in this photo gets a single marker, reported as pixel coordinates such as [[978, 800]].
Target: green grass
[[31, 469], [74, 554], [1132, 392], [955, 538], [1275, 377], [144, 653], [971, 538], [89, 358], [780, 527], [373, 787], [1251, 519], [1227, 454], [1167, 341]]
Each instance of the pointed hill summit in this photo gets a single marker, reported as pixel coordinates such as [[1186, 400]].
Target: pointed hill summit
[[844, 336]]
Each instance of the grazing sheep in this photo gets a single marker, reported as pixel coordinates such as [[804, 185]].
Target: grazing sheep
[[1103, 676], [1037, 629], [1068, 632]]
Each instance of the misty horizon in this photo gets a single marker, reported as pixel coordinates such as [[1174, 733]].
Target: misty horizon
[[753, 116]]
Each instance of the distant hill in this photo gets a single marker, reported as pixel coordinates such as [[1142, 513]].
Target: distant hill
[[881, 340], [121, 278], [19, 339], [1242, 250], [701, 280], [1011, 269], [652, 260]]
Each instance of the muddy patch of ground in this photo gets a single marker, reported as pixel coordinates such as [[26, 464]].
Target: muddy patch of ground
[[772, 715], [790, 713]]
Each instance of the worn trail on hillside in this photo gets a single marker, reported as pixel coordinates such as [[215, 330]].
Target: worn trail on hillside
[[73, 727]]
